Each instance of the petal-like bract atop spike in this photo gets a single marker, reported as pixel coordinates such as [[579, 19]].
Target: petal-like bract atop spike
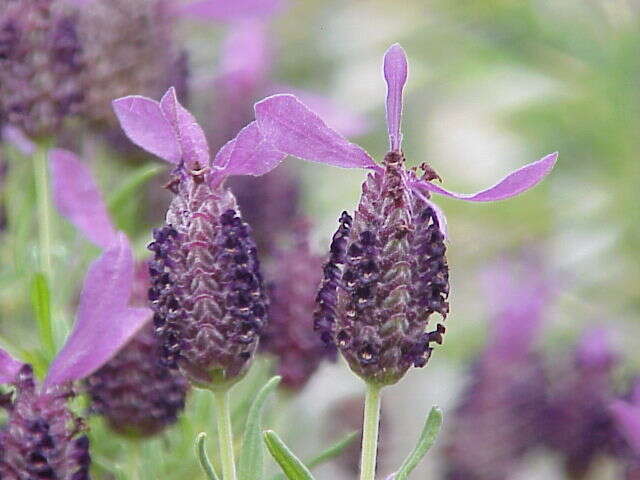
[[224, 10], [144, 123], [395, 74], [248, 154], [513, 184], [193, 143], [104, 323], [9, 367], [627, 418], [291, 127], [78, 199]]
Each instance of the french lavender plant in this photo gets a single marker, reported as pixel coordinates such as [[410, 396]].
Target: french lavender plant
[[387, 272], [209, 303], [42, 437], [498, 418], [155, 395]]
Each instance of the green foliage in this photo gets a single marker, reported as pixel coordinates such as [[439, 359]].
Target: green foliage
[[203, 458], [430, 431], [292, 467]]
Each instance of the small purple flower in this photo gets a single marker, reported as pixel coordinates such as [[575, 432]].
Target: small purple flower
[[42, 438], [294, 275], [579, 426], [387, 272], [626, 415], [155, 394], [40, 65], [207, 294], [497, 420]]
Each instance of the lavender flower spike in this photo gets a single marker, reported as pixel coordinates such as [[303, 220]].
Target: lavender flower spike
[[207, 294], [387, 271], [42, 438]]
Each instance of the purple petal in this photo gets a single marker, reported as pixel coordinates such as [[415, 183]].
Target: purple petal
[[627, 417], [9, 367], [245, 56], [103, 323], [347, 123], [144, 123], [16, 137], [289, 125], [395, 74], [248, 154], [513, 184], [226, 10], [193, 143], [442, 219], [78, 199]]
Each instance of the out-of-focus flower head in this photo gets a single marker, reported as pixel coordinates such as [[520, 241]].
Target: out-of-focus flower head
[[40, 65], [155, 394], [497, 419], [207, 293], [578, 423], [626, 415], [128, 45], [387, 272], [42, 438], [294, 276]]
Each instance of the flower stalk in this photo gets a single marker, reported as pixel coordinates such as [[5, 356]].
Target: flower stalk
[[370, 432], [225, 434]]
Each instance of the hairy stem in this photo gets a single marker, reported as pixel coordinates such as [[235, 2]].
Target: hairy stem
[[370, 432], [225, 434]]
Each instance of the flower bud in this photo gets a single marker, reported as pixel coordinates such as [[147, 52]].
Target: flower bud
[[207, 294], [386, 275], [42, 438]]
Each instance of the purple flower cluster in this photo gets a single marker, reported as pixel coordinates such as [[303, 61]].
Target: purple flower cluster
[[40, 65], [387, 272]]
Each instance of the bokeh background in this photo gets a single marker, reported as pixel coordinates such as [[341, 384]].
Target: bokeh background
[[493, 85]]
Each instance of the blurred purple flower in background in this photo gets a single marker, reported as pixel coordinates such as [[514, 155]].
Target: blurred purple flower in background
[[294, 275], [626, 414], [387, 272], [42, 438], [133, 391], [578, 423], [207, 293], [497, 419]]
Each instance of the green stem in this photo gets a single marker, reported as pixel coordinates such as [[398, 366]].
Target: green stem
[[370, 432], [134, 460], [40, 169], [225, 434]]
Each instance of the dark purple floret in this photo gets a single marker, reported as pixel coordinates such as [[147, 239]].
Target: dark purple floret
[[40, 65], [42, 439], [135, 393], [207, 294], [386, 275], [289, 336]]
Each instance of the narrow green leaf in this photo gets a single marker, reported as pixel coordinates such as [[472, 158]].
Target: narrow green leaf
[[292, 467], [251, 456], [427, 439], [330, 453], [203, 458], [41, 303]]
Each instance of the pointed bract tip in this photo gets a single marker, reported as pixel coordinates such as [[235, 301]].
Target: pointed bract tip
[[395, 69], [9, 367]]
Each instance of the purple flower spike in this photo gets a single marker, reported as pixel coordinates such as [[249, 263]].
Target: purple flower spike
[[9, 367], [395, 74], [77, 198], [290, 126], [224, 10], [104, 322]]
